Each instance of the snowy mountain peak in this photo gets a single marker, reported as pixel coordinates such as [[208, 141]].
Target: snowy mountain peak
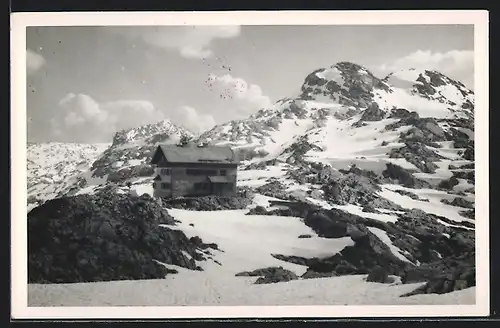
[[155, 131], [434, 85], [346, 83]]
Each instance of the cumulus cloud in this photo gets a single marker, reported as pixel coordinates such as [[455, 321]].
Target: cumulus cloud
[[82, 119], [457, 64], [242, 98], [192, 120], [34, 61], [190, 41]]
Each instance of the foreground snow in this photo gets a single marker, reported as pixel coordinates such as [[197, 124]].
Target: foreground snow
[[246, 243], [198, 288]]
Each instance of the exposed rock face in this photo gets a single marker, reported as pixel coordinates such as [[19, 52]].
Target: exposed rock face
[[417, 154], [298, 149], [352, 85], [411, 195], [357, 187], [469, 153], [426, 129], [460, 202], [270, 275], [274, 188], [371, 114], [470, 214], [401, 113], [103, 237], [423, 238], [399, 175], [445, 276]]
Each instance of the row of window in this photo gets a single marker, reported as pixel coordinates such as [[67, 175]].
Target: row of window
[[163, 185], [197, 186], [196, 172]]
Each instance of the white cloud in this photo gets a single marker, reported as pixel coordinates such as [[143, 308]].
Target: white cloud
[[457, 64], [242, 98], [189, 118], [82, 119], [34, 61], [190, 41]]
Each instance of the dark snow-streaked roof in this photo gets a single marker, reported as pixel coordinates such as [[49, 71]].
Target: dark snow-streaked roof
[[195, 154]]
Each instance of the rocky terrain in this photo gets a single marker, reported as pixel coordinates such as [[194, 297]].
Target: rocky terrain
[[382, 166], [106, 236]]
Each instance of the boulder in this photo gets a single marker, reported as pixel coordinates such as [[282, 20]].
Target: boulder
[[258, 210], [380, 275], [448, 184]]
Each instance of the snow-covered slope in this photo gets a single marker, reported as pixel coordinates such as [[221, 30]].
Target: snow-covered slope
[[53, 168], [332, 99]]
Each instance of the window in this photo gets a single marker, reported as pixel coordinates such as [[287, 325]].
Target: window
[[165, 171], [165, 185], [223, 173], [201, 172], [154, 185]]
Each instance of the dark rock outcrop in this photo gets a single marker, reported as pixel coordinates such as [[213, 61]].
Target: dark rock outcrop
[[357, 187], [444, 276], [273, 188], [411, 195], [448, 184], [379, 274], [400, 175], [458, 201], [469, 153], [102, 237], [258, 210], [470, 214], [372, 113], [270, 275], [417, 154]]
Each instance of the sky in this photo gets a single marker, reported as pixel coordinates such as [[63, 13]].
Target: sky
[[85, 83]]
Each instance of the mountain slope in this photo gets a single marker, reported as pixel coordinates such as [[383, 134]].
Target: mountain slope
[[54, 167], [337, 102]]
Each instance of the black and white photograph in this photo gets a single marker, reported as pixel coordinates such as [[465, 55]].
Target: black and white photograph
[[207, 164]]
